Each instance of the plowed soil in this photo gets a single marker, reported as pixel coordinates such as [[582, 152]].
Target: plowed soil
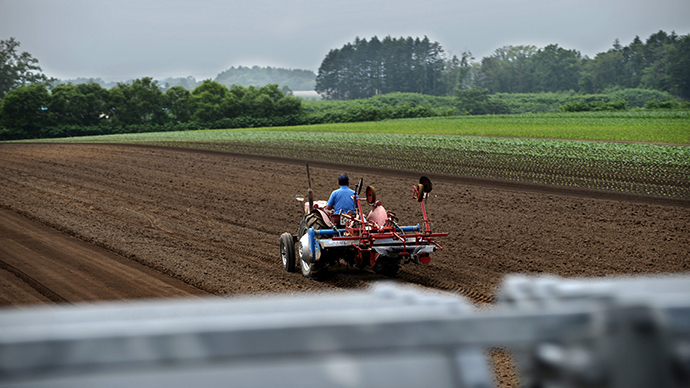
[[208, 222]]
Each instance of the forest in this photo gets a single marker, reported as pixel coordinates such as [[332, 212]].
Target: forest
[[366, 68]]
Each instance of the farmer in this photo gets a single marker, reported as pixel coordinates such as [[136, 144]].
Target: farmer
[[341, 199]]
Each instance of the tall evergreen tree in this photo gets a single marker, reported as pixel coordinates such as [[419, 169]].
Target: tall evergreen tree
[[365, 68]]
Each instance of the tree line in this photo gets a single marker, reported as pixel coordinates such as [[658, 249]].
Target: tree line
[[76, 110], [369, 67], [33, 111], [659, 63]]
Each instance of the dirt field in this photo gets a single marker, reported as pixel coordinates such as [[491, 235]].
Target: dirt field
[[210, 223], [39, 264]]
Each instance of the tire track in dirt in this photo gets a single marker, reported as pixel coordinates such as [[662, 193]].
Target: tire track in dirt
[[65, 270], [33, 283], [441, 284], [131, 214]]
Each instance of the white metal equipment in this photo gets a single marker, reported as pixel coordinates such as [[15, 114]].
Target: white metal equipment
[[601, 332]]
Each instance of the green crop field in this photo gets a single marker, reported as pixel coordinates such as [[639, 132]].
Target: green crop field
[[613, 150], [671, 127]]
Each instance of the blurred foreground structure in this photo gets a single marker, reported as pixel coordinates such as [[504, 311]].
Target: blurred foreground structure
[[603, 332]]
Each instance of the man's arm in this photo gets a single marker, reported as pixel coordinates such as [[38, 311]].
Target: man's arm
[[331, 201]]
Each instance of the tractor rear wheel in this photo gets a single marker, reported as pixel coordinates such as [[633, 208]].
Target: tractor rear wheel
[[287, 252], [311, 220], [311, 270]]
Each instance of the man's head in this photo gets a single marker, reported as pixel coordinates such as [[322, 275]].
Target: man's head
[[343, 180]]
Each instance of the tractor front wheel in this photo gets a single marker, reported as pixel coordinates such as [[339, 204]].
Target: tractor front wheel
[[287, 252]]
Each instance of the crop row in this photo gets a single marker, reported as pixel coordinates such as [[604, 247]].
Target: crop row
[[658, 170]]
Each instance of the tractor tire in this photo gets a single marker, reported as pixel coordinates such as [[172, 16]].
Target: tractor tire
[[287, 252], [311, 270], [388, 267], [311, 220]]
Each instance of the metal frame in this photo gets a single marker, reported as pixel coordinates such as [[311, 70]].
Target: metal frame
[[621, 332]]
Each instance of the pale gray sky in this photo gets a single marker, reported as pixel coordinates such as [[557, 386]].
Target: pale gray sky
[[123, 39]]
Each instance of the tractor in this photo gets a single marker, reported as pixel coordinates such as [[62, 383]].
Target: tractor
[[376, 239]]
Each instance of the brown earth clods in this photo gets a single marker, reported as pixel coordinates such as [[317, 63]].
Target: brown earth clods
[[212, 220]]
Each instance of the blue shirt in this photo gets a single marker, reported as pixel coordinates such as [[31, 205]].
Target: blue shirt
[[341, 199]]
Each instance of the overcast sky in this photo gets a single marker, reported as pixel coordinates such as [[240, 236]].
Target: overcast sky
[[123, 39]]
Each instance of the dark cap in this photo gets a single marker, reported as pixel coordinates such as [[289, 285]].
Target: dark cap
[[343, 179]]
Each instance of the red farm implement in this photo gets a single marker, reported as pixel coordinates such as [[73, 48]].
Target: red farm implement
[[377, 240]]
